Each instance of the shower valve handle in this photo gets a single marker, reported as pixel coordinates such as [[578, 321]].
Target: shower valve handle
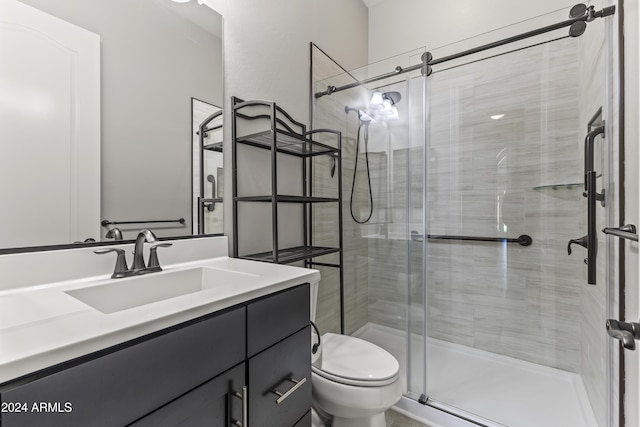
[[582, 241]]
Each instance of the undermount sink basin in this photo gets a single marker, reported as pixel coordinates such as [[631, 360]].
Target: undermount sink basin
[[122, 294]]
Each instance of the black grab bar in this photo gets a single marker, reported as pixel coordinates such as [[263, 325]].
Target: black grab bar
[[106, 222], [592, 195], [523, 240]]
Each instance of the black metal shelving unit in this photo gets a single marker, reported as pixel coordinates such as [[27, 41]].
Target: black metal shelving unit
[[272, 129]]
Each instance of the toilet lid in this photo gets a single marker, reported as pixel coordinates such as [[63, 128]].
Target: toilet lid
[[350, 360]]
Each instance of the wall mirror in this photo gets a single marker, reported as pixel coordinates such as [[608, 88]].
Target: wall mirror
[[99, 123]]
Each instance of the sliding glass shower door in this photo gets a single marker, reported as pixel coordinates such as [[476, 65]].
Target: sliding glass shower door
[[383, 166], [465, 222], [515, 332]]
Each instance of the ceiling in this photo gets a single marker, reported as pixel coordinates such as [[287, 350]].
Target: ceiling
[[371, 3]]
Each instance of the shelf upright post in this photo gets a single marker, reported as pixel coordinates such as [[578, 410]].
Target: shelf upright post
[[234, 174], [340, 237], [274, 182], [307, 190]]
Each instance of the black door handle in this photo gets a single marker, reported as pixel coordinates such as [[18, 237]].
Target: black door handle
[[627, 333]]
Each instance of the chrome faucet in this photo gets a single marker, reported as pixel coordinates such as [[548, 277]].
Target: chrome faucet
[[138, 250]]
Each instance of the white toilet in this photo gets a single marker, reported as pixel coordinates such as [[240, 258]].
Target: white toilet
[[353, 381]]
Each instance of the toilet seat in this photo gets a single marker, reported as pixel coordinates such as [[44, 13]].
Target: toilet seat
[[353, 361]]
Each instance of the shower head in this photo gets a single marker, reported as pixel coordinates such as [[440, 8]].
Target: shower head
[[394, 97], [379, 99]]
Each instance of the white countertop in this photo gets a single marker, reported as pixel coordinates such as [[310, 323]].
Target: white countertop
[[42, 325]]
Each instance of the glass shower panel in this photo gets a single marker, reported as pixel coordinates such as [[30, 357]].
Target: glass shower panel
[[515, 333], [383, 192]]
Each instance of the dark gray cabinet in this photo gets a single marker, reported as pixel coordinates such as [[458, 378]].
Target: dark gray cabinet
[[279, 350], [216, 403], [188, 375], [280, 382]]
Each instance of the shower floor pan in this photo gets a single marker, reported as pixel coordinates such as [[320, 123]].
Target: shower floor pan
[[491, 389]]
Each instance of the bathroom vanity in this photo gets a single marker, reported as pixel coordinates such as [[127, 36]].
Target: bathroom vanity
[[227, 354]]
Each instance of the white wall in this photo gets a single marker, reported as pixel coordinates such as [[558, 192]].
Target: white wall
[[435, 23], [267, 51]]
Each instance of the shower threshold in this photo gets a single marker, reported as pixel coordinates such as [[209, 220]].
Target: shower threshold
[[486, 388]]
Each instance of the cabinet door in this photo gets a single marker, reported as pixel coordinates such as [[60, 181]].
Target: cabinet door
[[304, 421], [213, 404], [277, 369], [120, 387]]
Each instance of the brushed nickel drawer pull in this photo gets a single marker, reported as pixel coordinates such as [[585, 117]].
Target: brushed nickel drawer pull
[[296, 385], [245, 402]]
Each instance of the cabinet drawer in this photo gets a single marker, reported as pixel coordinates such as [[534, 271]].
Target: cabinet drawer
[[272, 370], [276, 317], [205, 406], [120, 387], [305, 421]]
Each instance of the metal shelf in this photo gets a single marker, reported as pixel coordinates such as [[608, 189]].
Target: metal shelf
[[567, 186], [289, 255], [216, 146], [287, 199], [287, 142], [266, 126]]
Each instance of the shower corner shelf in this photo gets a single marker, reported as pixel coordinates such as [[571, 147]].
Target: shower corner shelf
[[567, 186], [216, 146], [276, 132]]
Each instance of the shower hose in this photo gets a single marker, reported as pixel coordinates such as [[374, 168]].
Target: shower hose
[[364, 124]]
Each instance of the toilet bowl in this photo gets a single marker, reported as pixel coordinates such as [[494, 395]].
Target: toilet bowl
[[354, 381]]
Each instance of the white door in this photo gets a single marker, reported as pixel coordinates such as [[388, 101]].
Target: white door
[[49, 129]]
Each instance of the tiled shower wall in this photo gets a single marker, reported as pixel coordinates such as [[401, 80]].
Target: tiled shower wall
[[396, 290], [489, 177], [330, 114], [376, 271], [482, 178]]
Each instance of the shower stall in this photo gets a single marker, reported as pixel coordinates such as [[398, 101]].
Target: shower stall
[[465, 239]]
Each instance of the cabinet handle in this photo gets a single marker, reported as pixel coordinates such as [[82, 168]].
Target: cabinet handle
[[296, 385], [242, 396]]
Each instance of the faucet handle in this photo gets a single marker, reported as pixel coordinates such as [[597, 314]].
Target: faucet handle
[[154, 264], [121, 262]]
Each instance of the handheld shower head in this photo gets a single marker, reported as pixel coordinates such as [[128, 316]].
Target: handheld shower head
[[364, 117], [348, 109], [364, 121]]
